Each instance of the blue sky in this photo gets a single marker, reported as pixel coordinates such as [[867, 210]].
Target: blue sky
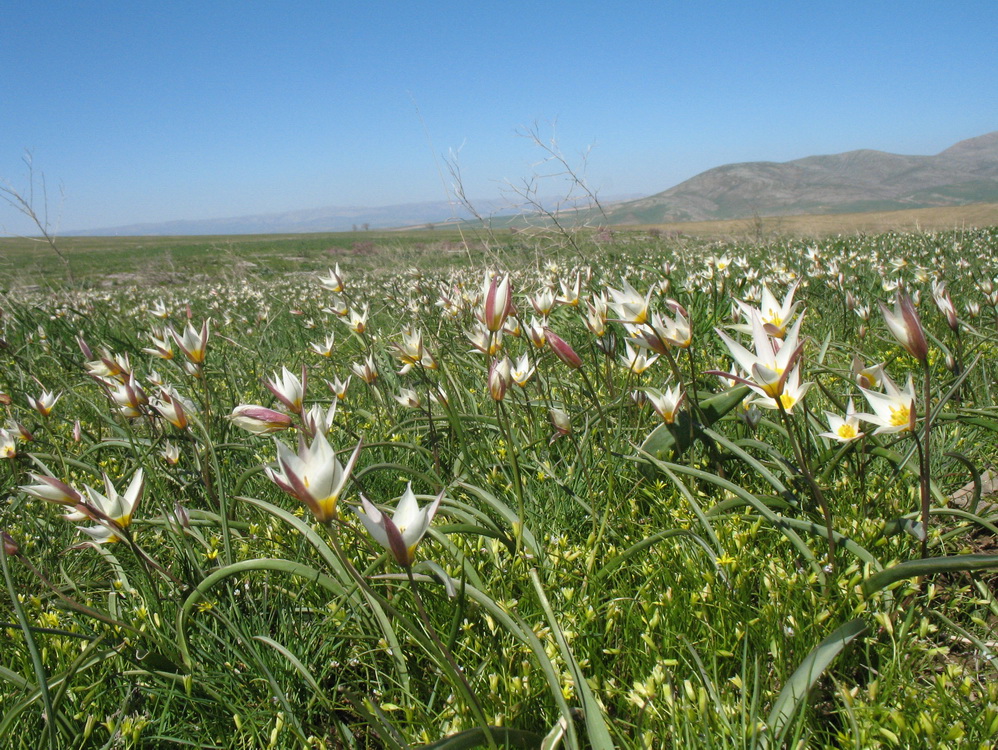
[[139, 112]]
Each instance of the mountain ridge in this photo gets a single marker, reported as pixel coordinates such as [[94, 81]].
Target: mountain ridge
[[863, 179]]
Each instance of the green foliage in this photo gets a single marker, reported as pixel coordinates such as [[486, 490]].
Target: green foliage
[[593, 577]]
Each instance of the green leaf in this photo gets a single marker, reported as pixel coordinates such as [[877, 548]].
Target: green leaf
[[666, 442], [806, 675], [475, 738], [927, 567]]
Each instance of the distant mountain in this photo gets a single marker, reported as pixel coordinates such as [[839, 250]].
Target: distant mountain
[[855, 181], [326, 219]]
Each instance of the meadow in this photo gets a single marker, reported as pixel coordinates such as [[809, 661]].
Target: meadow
[[607, 489]]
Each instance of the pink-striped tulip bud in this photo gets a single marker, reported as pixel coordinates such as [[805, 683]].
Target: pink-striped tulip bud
[[904, 323], [536, 333], [21, 432], [259, 420], [562, 350], [498, 302], [84, 347], [500, 376], [51, 489], [10, 547], [561, 422], [945, 304]]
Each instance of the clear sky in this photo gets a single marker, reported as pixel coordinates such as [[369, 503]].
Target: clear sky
[[143, 112]]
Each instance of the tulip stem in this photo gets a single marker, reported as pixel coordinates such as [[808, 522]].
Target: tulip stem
[[36, 660], [513, 451], [924, 458], [805, 469], [476, 706]]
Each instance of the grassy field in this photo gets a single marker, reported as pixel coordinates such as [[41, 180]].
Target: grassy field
[[607, 489]]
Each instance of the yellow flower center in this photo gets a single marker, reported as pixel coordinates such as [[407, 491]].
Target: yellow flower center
[[900, 416], [787, 401], [847, 432]]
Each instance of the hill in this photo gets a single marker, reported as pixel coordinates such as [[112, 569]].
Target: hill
[[856, 181]]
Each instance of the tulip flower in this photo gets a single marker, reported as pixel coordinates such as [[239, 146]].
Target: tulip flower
[[52, 490], [570, 294], [536, 332], [402, 533], [113, 512], [128, 396], [904, 323], [522, 371], [628, 303], [172, 408], [192, 343], [339, 387], [498, 302], [159, 310], [791, 393], [562, 423], [843, 429], [44, 403], [411, 352], [562, 350], [318, 419], [775, 316], [161, 347], [170, 453], [288, 389], [259, 420], [337, 306], [636, 361], [408, 398], [325, 348], [666, 404], [500, 376], [335, 281], [894, 411], [357, 321], [543, 302], [596, 317], [485, 341], [314, 475], [109, 365], [945, 304], [366, 370], [769, 366], [867, 377]]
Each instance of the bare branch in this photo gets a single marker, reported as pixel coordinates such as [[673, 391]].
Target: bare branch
[[24, 203]]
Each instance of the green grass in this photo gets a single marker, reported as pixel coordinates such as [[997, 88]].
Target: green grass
[[620, 585]]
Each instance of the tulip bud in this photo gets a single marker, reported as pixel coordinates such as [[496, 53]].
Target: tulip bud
[[498, 302], [258, 419], [500, 376], [10, 547], [562, 350], [904, 323], [562, 423]]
